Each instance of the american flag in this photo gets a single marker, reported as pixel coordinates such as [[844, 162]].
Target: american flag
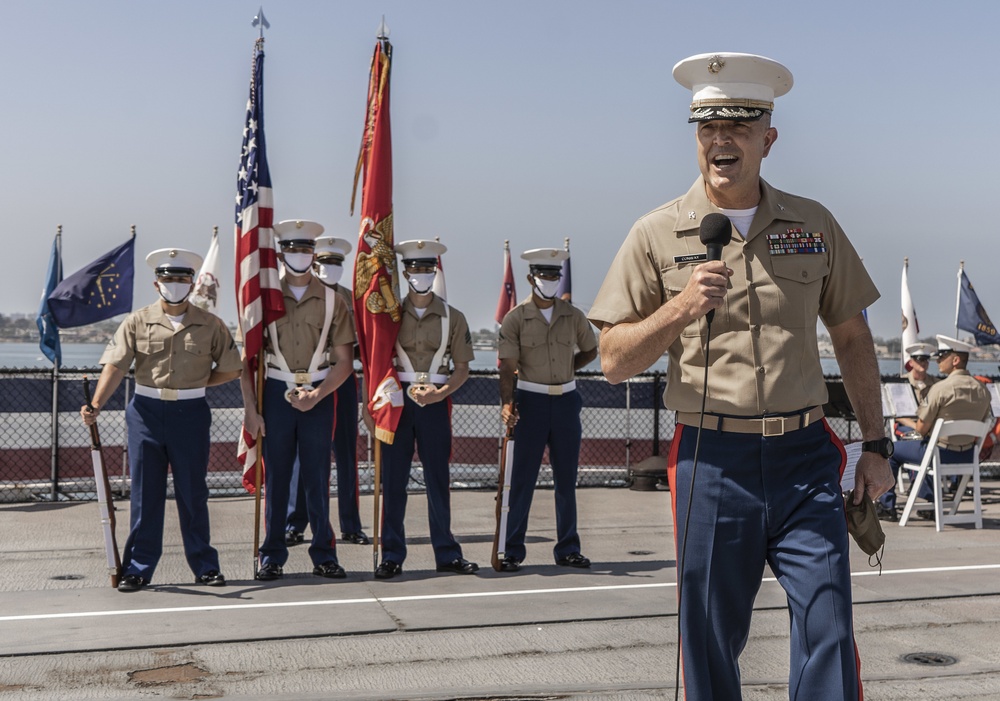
[[258, 290]]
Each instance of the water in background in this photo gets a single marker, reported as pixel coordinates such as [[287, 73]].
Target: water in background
[[87, 355]]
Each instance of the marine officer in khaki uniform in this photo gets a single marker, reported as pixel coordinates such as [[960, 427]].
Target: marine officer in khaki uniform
[[544, 340], [767, 483], [178, 350], [956, 397], [309, 355], [433, 352]]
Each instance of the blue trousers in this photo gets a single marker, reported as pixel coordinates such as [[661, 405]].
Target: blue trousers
[[913, 452], [763, 499], [345, 452], [552, 421], [162, 434], [304, 435], [427, 430]]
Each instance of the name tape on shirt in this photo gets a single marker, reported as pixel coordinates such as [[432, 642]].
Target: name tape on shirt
[[691, 258], [795, 241]]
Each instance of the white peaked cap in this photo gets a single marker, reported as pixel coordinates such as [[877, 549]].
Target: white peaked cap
[[176, 261], [731, 85], [946, 343]]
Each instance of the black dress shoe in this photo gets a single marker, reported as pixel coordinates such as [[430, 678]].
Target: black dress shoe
[[330, 570], [132, 582], [294, 537], [269, 572], [459, 566], [212, 578], [388, 569], [573, 560], [509, 564], [884, 513], [358, 538]]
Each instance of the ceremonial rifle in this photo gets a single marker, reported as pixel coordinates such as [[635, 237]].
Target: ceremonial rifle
[[503, 499], [104, 501]]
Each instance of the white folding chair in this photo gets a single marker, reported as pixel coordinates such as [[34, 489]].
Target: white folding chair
[[931, 465]]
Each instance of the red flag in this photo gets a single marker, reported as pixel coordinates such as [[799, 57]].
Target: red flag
[[508, 297], [258, 291], [377, 310]]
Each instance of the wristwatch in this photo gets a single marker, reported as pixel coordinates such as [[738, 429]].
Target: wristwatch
[[882, 446]]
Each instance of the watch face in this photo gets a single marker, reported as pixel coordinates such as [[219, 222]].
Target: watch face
[[887, 448]]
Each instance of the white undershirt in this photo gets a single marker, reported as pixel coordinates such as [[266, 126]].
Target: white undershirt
[[547, 313], [741, 218], [420, 311], [176, 321], [298, 291]]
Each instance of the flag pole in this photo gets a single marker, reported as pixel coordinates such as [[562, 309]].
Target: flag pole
[[259, 464], [902, 350], [958, 294], [377, 498], [54, 494]]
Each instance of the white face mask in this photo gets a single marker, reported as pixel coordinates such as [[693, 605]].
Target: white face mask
[[421, 283], [546, 288], [174, 292], [330, 274], [298, 262]]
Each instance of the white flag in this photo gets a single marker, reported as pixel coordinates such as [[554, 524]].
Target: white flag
[[206, 286], [438, 287], [911, 329]]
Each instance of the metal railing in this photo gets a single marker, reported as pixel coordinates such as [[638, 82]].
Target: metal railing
[[45, 448]]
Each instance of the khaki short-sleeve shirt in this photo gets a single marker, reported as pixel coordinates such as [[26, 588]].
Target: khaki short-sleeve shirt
[[764, 354], [300, 328], [420, 337], [922, 387], [958, 396], [169, 359], [545, 351]]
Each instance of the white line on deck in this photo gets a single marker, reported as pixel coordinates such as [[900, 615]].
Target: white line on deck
[[433, 597]]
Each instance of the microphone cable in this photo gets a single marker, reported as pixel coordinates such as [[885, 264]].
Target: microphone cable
[[687, 516]]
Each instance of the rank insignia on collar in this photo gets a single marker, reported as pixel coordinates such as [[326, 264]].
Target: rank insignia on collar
[[795, 241], [692, 215]]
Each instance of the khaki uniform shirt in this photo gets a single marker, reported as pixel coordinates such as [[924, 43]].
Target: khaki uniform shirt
[[420, 337], [169, 359], [764, 355], [299, 329], [958, 396], [545, 350], [922, 387]]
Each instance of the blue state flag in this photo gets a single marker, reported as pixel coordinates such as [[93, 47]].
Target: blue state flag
[[47, 329], [97, 291], [971, 315]]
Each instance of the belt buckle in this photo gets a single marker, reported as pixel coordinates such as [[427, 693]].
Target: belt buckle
[[422, 378], [555, 390], [770, 422], [168, 395], [302, 378]]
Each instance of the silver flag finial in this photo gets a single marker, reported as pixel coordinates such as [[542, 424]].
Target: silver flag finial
[[260, 20], [383, 30]]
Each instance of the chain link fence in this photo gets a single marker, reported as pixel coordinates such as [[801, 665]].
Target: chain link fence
[[42, 459]]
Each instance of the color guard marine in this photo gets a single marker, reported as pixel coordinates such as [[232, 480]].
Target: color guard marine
[[328, 267], [178, 351], [544, 341], [309, 355], [433, 352]]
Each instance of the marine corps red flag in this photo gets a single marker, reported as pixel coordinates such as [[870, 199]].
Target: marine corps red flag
[[508, 296], [377, 311]]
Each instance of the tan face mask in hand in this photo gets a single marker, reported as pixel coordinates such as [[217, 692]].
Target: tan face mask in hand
[[865, 528]]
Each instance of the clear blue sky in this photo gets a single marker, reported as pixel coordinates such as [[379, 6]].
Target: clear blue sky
[[529, 121]]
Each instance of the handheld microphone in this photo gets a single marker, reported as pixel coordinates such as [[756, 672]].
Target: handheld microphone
[[716, 231]]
